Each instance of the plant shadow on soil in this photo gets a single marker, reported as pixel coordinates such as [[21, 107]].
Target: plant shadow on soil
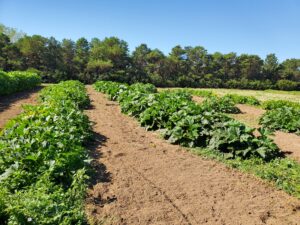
[[7, 101], [99, 171]]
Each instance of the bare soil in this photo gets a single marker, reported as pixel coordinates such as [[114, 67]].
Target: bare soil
[[11, 105], [142, 179]]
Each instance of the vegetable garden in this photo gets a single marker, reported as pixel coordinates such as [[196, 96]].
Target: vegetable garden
[[44, 162]]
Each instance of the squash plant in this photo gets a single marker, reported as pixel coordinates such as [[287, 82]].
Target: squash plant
[[285, 118]]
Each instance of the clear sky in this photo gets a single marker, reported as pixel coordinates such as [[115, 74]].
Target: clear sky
[[242, 26]]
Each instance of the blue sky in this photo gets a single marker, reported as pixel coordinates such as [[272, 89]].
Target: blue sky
[[242, 26]]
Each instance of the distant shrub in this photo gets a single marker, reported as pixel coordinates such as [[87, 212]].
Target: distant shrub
[[287, 85], [224, 105], [249, 84]]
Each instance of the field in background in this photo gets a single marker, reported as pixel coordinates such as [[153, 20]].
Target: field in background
[[293, 96]]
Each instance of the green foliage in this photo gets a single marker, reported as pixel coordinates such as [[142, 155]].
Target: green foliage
[[112, 89], [192, 125], [187, 123], [287, 85], [109, 59], [274, 104], [17, 81], [223, 104], [285, 118], [43, 159], [163, 105], [241, 99], [73, 91], [45, 202], [248, 84]]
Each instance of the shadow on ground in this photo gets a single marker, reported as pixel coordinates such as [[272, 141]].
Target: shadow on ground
[[99, 173], [7, 101]]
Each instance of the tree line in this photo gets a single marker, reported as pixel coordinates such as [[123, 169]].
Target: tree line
[[110, 59]]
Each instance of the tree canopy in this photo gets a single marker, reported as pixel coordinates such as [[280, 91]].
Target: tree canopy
[[110, 59]]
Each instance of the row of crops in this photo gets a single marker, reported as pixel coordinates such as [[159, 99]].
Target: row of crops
[[206, 129], [43, 161], [280, 115], [187, 123], [15, 81]]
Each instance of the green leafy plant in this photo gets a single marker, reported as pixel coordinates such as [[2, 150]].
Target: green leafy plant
[[223, 104], [241, 99], [285, 118], [274, 104], [43, 159], [17, 81]]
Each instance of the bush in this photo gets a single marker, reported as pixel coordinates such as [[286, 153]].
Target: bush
[[287, 85], [249, 84]]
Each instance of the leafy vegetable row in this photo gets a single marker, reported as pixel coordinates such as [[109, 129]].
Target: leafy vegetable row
[[274, 104], [17, 81], [189, 124], [43, 160]]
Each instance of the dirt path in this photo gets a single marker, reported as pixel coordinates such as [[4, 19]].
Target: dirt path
[[289, 143], [146, 180], [11, 106]]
